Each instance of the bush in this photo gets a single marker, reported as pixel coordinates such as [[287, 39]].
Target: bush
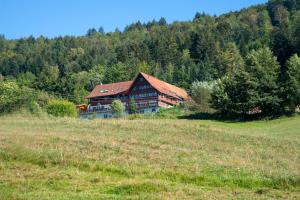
[[43, 98], [117, 108], [169, 113], [13, 97], [61, 108], [201, 94], [35, 108]]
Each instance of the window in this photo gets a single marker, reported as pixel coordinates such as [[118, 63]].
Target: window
[[153, 110], [104, 91], [141, 79], [144, 87], [143, 95]]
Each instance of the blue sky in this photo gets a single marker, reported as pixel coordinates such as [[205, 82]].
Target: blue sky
[[22, 18]]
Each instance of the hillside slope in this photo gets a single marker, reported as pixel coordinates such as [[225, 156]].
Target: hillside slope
[[51, 158], [201, 49]]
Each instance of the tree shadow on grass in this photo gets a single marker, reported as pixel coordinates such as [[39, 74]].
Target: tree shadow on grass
[[229, 118], [204, 116]]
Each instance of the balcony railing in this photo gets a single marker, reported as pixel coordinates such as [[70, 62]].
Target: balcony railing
[[144, 104], [94, 109], [104, 109]]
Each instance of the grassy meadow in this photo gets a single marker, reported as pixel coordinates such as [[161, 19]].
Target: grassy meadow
[[62, 158]]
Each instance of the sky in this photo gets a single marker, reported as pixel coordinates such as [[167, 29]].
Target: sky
[[52, 18]]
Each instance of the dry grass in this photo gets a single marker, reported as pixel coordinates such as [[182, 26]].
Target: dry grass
[[57, 158]]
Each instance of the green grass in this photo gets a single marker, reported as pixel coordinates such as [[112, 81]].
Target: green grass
[[61, 158]]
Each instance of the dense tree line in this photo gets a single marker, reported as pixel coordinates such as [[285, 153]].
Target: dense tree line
[[260, 87], [206, 48]]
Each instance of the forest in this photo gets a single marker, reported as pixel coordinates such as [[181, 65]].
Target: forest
[[250, 55]]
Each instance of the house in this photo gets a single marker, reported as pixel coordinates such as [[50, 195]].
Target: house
[[149, 94]]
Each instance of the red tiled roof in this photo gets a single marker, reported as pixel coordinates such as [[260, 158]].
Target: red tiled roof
[[123, 87], [110, 89], [165, 88]]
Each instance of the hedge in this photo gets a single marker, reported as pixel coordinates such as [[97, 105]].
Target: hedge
[[61, 108]]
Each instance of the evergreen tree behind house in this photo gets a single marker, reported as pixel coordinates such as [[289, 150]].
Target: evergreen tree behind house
[[148, 93]]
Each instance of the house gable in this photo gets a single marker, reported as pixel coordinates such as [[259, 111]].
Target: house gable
[[141, 88], [165, 88]]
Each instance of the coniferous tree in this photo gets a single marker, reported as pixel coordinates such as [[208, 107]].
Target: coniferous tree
[[291, 84], [235, 95], [91, 31], [162, 22], [263, 68], [230, 60]]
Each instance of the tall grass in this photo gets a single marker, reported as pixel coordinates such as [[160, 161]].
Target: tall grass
[[63, 158]]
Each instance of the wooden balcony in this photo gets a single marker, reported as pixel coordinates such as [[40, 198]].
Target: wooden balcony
[[105, 109]]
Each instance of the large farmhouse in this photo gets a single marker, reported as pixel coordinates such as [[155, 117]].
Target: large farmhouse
[[149, 94]]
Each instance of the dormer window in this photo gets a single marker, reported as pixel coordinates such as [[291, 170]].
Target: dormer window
[[104, 91]]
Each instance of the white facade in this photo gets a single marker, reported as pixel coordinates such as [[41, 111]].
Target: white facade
[[108, 114]]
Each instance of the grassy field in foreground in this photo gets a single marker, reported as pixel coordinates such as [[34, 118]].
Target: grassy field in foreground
[[52, 158]]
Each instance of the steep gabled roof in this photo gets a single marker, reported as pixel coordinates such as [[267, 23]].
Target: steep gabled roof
[[110, 89], [165, 88], [123, 87]]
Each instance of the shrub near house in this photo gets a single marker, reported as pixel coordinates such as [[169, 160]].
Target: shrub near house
[[117, 108], [61, 108]]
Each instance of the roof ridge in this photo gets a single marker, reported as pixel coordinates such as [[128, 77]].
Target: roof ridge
[[125, 86], [114, 83], [160, 80]]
